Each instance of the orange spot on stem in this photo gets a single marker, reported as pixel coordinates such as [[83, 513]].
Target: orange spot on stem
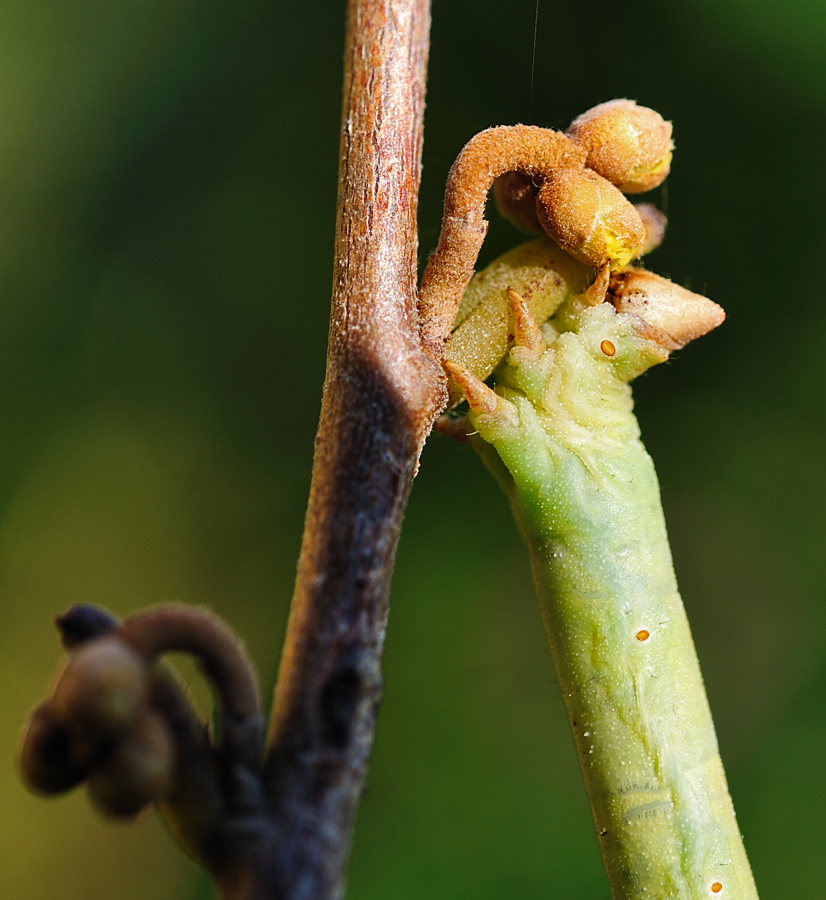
[[716, 887], [608, 348], [643, 635]]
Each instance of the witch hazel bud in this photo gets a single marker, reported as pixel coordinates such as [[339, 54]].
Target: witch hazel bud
[[102, 687], [629, 145], [590, 218], [676, 315]]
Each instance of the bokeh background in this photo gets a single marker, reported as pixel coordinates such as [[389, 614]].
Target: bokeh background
[[167, 195]]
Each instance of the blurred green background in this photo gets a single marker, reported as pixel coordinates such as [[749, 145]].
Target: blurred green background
[[167, 195]]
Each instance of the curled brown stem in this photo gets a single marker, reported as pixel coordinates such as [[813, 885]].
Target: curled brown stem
[[118, 719], [534, 151], [189, 629], [237, 754]]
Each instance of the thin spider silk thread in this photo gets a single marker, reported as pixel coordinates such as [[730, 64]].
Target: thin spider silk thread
[[533, 61]]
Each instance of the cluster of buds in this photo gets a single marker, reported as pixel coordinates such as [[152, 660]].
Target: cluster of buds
[[571, 186], [99, 724], [626, 149], [118, 719]]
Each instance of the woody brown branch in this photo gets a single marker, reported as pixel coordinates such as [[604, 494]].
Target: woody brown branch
[[381, 395]]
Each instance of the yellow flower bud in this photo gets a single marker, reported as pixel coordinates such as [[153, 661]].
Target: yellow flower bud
[[629, 145], [102, 687], [590, 218], [138, 771]]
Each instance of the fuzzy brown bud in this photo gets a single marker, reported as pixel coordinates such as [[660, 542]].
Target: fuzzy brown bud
[[515, 194], [629, 145], [46, 760], [677, 315], [102, 687], [138, 771], [590, 218]]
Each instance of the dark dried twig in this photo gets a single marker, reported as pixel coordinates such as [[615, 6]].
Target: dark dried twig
[[118, 717]]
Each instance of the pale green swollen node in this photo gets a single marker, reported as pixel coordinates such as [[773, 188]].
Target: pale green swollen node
[[561, 437]]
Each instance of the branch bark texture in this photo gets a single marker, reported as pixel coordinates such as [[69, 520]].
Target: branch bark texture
[[381, 396]]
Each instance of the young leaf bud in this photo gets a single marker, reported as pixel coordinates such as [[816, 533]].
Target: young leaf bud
[[102, 687], [515, 194], [138, 771], [46, 761], [629, 145], [590, 219], [670, 309]]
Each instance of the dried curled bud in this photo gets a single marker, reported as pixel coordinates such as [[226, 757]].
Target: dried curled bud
[[102, 687], [47, 759], [676, 315], [590, 218], [119, 719], [138, 771], [629, 145]]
